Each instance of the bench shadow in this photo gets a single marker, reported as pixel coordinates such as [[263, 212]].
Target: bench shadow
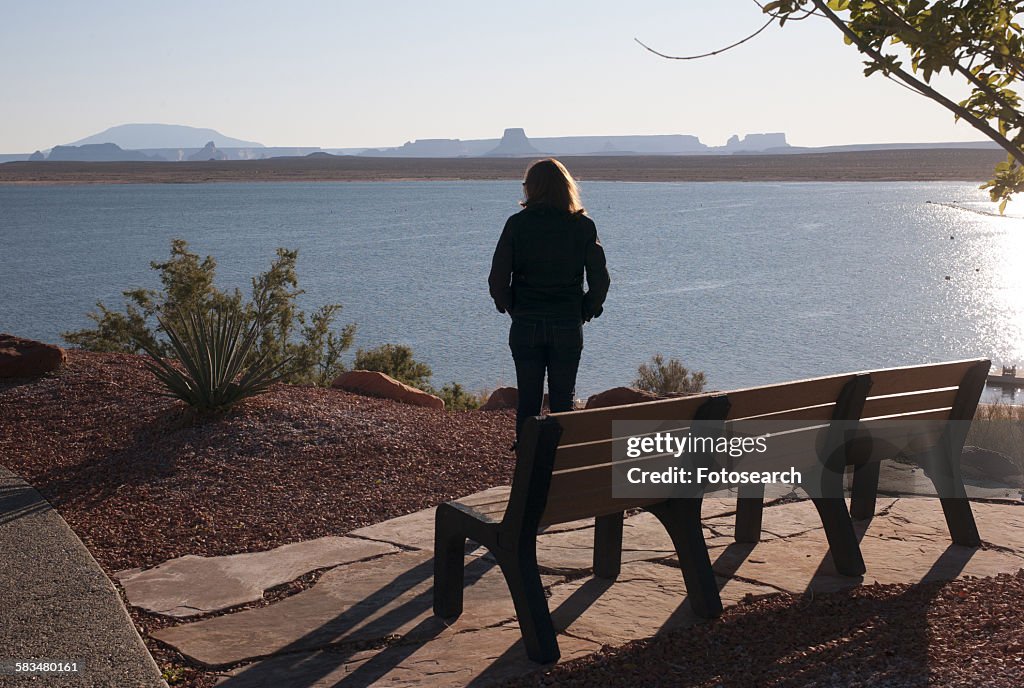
[[950, 564], [514, 660], [311, 658], [732, 556]]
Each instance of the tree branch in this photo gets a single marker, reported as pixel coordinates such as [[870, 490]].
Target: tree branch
[[713, 52], [966, 73], [923, 88]]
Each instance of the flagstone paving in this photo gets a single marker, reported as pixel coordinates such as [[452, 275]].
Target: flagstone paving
[[191, 585], [368, 620]]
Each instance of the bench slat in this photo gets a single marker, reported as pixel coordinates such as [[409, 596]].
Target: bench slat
[[919, 378], [909, 403], [582, 455], [593, 425], [931, 414], [821, 413], [757, 401]]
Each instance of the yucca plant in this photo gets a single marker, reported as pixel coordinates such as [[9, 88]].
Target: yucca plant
[[216, 354]]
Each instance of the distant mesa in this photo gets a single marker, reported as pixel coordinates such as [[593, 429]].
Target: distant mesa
[[649, 144], [97, 152], [513, 144], [172, 142], [142, 136], [428, 148], [755, 142], [209, 152]]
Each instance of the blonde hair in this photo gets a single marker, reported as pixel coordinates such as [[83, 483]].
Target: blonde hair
[[547, 182]]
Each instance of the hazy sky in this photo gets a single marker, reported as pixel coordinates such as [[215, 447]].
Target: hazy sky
[[336, 74]]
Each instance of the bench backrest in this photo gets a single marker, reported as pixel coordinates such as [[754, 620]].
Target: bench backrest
[[565, 462], [880, 402]]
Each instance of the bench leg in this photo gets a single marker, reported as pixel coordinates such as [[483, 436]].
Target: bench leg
[[842, 538], [864, 492], [608, 546], [960, 521], [681, 518], [949, 485], [449, 565], [531, 604], [749, 510]]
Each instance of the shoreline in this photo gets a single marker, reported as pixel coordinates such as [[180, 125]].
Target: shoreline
[[913, 165]]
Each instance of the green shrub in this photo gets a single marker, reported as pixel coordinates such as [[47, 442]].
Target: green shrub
[[216, 352], [668, 378], [456, 398], [397, 361], [307, 348]]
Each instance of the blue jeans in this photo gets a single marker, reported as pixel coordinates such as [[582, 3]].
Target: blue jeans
[[539, 346]]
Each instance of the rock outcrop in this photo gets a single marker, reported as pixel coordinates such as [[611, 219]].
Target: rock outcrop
[[755, 142], [617, 396], [37, 157], [977, 463], [27, 358], [374, 384], [513, 144], [96, 152], [502, 398], [209, 152]]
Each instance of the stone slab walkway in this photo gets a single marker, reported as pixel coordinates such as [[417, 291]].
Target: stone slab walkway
[[368, 620], [56, 603]]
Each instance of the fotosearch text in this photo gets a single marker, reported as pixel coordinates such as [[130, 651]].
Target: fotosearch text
[[707, 476]]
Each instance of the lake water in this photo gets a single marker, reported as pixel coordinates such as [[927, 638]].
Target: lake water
[[750, 282]]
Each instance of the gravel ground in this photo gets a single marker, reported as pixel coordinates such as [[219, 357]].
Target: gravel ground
[[140, 482], [958, 633]]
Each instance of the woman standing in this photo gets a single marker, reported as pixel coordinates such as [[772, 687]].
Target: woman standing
[[537, 277]]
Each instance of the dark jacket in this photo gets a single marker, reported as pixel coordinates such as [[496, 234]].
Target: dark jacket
[[539, 264]]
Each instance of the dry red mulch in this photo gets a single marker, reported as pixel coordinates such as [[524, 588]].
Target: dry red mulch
[[958, 633], [141, 482]]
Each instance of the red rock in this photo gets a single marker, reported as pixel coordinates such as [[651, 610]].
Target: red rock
[[373, 384], [502, 398], [617, 396], [26, 358], [977, 462]]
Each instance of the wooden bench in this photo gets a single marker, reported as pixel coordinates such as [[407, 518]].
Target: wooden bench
[[869, 414], [564, 473]]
